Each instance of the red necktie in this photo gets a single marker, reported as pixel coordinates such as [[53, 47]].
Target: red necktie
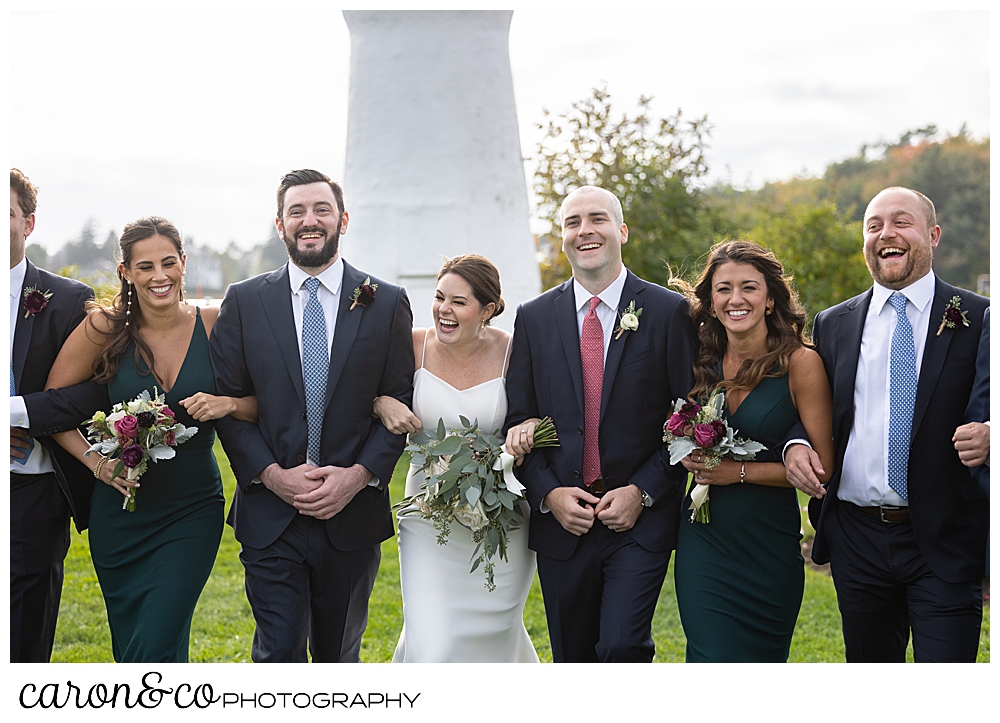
[[592, 357]]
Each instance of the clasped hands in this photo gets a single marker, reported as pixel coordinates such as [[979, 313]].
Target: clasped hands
[[576, 509], [319, 492]]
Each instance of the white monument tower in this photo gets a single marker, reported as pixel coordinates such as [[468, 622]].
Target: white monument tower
[[433, 164]]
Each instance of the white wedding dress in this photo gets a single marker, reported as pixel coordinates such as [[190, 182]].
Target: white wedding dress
[[448, 614]]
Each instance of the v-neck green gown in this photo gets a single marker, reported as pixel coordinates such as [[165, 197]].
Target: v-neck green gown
[[739, 579], [153, 563]]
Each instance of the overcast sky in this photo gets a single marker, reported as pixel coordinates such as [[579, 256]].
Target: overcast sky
[[194, 110]]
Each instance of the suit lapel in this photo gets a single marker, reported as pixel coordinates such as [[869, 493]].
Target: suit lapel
[[851, 326], [935, 352], [348, 323], [22, 326], [276, 298], [630, 292], [565, 308]]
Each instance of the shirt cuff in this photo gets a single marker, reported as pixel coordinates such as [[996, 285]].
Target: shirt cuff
[[790, 442], [18, 413]]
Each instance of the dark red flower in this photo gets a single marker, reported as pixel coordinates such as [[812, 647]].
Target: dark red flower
[[146, 419], [366, 295], [35, 301], [132, 456], [169, 438], [954, 315], [675, 425], [127, 426], [704, 435], [689, 411]]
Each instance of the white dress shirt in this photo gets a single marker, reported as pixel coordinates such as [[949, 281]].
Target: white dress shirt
[[607, 310], [38, 461], [865, 478], [328, 295]]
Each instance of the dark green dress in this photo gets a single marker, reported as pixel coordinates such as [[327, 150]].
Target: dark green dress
[[153, 563], [739, 578]]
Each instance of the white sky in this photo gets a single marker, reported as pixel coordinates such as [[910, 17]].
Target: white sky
[[194, 110]]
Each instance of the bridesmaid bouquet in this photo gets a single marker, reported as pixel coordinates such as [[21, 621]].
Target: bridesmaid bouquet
[[466, 484], [693, 426], [134, 433]]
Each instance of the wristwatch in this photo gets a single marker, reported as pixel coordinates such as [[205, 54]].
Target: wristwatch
[[647, 501]]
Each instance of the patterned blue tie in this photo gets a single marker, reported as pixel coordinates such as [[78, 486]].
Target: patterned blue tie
[[31, 442], [902, 395], [315, 366]]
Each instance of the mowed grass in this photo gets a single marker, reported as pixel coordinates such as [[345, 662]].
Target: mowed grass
[[222, 630]]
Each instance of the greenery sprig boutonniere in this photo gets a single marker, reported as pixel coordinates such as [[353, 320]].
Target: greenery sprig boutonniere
[[364, 294], [953, 315], [629, 320]]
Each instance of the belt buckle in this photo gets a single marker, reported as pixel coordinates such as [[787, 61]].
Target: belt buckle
[[597, 488], [883, 508]]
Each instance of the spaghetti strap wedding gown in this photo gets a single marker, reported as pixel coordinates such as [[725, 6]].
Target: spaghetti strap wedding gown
[[448, 614]]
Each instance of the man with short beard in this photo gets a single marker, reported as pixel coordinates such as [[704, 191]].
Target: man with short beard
[[902, 523], [316, 341]]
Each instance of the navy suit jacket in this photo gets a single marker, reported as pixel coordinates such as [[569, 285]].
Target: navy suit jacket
[[979, 401], [948, 510], [254, 349], [37, 341], [645, 372]]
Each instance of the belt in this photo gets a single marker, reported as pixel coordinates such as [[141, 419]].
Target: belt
[[891, 515], [597, 488]]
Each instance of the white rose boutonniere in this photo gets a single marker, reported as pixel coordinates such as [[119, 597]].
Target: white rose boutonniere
[[629, 320]]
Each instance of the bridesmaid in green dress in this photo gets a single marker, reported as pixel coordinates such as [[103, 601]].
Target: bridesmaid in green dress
[[739, 578], [152, 563]]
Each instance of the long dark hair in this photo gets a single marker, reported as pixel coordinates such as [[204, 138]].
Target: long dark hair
[[124, 319], [785, 325]]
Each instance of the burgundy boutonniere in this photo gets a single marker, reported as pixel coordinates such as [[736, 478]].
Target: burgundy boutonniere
[[35, 300], [953, 315], [364, 294]]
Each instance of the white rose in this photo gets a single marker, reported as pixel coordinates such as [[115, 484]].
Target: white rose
[[472, 517], [438, 466], [630, 322]]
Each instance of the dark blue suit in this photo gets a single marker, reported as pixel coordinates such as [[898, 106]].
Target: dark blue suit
[[979, 410], [600, 589], [949, 512], [254, 349], [40, 505]]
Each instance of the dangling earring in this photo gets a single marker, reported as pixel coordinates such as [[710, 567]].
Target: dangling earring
[[128, 309], [711, 312], [482, 324]]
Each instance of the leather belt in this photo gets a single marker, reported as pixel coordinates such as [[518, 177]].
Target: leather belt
[[891, 515]]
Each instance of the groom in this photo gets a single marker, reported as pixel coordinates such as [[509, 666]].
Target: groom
[[316, 341], [605, 503]]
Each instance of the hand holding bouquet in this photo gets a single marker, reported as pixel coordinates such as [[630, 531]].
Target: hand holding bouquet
[[135, 432], [693, 426]]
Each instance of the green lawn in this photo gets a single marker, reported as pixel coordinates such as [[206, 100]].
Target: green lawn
[[223, 625]]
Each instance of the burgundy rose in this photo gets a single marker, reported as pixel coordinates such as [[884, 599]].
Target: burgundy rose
[[127, 426], [167, 411], [170, 438], [690, 410], [132, 456], [720, 430], [704, 435], [954, 315], [366, 295], [34, 301], [675, 425], [146, 419]]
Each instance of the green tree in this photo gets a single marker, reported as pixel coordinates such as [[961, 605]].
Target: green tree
[[652, 165]]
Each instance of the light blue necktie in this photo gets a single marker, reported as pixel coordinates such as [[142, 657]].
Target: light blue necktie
[[315, 366], [31, 442], [902, 395]]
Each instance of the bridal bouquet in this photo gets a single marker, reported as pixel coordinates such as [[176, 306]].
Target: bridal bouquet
[[135, 432], [693, 426], [466, 484]]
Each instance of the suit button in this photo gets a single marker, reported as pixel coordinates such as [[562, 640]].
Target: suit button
[[580, 430], [576, 474], [300, 459], [303, 415]]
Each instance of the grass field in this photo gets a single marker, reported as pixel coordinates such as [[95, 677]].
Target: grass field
[[223, 626]]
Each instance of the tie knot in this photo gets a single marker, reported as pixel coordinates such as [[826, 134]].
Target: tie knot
[[898, 302], [594, 301], [312, 285]]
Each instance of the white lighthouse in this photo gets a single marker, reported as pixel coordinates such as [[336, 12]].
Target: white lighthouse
[[433, 163]]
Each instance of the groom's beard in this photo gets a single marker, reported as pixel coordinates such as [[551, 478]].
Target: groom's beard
[[320, 256]]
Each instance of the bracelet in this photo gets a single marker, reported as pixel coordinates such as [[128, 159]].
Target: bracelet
[[743, 472], [100, 464]]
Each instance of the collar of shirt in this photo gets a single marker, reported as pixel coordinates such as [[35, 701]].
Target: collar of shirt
[[17, 278], [919, 293], [611, 296], [331, 278]]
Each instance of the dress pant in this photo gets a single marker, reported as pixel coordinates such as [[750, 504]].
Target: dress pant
[[885, 590], [599, 603], [39, 539], [303, 591]]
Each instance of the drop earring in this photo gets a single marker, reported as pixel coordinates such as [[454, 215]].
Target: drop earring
[[128, 309]]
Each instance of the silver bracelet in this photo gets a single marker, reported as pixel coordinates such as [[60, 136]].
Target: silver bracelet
[[743, 472]]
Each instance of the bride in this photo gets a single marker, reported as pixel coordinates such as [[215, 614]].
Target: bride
[[448, 614]]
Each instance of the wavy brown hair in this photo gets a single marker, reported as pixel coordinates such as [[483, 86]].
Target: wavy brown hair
[[785, 325], [119, 335]]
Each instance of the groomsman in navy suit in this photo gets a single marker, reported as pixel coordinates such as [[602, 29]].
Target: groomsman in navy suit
[[605, 504], [316, 340], [902, 522], [46, 484]]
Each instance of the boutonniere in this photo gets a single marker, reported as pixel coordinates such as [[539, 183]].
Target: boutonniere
[[35, 300], [953, 315], [629, 320], [364, 294]]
